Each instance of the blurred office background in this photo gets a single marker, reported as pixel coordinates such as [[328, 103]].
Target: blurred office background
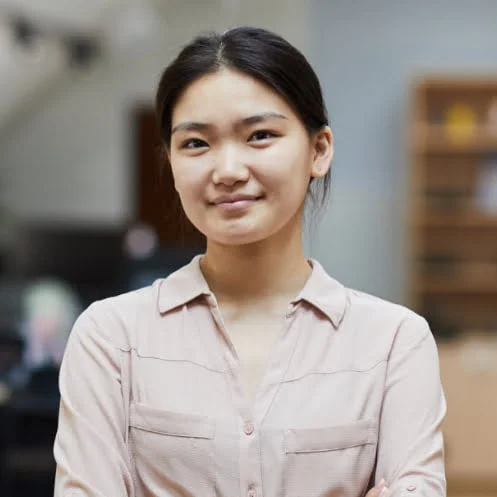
[[411, 89]]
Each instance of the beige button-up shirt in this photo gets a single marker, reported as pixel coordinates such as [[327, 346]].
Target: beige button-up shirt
[[153, 403]]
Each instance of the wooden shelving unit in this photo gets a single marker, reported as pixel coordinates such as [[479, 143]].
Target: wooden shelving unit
[[433, 139], [454, 137], [453, 279]]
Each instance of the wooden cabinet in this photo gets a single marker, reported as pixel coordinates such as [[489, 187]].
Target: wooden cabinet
[[453, 280], [469, 374], [454, 211], [472, 494]]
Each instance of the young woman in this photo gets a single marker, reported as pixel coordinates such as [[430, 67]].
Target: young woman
[[249, 372]]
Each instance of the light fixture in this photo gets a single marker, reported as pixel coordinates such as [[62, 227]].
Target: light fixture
[[24, 32], [82, 50]]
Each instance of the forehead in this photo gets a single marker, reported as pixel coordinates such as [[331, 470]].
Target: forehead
[[227, 94]]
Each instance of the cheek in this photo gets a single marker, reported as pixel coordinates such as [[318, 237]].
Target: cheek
[[188, 178], [286, 174]]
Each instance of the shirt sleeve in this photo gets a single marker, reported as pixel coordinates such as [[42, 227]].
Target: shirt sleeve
[[410, 447], [90, 446]]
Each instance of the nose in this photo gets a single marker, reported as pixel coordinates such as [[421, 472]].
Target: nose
[[229, 167]]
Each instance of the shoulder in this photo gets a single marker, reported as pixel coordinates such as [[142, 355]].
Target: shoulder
[[125, 319], [368, 306], [117, 319], [382, 318], [361, 316]]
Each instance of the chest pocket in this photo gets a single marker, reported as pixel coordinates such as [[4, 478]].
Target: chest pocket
[[173, 449], [321, 459]]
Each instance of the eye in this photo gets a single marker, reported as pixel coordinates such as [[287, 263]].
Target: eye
[[261, 135], [193, 143]]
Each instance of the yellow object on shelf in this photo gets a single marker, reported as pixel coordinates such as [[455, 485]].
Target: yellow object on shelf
[[460, 122]]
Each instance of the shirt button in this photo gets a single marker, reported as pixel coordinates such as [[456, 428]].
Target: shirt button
[[411, 488], [249, 429], [251, 493]]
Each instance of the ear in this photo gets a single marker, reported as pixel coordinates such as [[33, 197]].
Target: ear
[[322, 152]]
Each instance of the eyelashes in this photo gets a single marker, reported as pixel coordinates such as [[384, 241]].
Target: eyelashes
[[257, 136], [193, 143], [262, 135]]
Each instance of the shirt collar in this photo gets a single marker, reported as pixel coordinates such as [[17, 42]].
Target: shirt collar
[[182, 286], [325, 294], [321, 291]]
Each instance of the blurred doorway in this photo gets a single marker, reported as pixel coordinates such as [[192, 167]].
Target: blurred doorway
[[157, 201]]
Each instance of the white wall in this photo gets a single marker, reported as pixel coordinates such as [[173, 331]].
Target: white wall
[[367, 54], [70, 158]]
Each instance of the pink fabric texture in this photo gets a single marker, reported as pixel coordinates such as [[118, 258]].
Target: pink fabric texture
[[153, 402]]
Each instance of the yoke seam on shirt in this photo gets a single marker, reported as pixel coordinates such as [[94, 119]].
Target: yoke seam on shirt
[[336, 372], [176, 360]]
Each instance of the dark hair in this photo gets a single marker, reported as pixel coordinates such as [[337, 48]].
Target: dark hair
[[256, 52]]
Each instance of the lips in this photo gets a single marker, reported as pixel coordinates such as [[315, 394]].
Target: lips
[[235, 203], [234, 199]]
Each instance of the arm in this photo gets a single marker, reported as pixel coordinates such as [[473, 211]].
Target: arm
[[410, 447], [90, 450]]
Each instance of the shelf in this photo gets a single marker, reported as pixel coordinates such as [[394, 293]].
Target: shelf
[[457, 82], [473, 220], [434, 139], [456, 286], [452, 147]]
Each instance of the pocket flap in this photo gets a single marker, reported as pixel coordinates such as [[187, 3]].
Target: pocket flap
[[331, 438], [170, 423]]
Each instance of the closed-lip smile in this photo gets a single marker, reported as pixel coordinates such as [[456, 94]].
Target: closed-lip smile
[[233, 199]]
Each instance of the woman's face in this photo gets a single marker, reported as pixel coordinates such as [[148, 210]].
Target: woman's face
[[242, 159]]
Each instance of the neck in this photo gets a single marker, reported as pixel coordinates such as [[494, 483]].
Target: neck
[[275, 267]]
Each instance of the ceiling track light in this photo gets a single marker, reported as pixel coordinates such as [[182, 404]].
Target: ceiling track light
[[24, 32], [81, 49]]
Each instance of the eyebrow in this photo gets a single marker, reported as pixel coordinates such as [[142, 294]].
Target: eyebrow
[[246, 121]]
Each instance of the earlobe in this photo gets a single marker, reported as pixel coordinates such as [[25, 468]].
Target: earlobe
[[323, 153]]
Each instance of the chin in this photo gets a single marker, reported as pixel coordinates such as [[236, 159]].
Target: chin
[[246, 232], [236, 239]]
